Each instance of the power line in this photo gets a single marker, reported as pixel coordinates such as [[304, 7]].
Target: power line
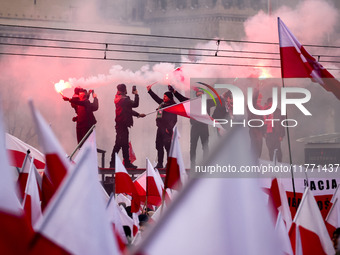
[[143, 60], [151, 52], [134, 45], [134, 60], [157, 36], [153, 46], [133, 51]]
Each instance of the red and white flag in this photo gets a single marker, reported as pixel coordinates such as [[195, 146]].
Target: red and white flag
[[31, 201], [15, 232], [148, 184], [135, 223], [278, 198], [282, 233], [56, 163], [176, 175], [296, 62], [140, 185], [17, 150], [75, 220], [191, 109], [124, 184], [333, 217], [155, 185], [312, 230]]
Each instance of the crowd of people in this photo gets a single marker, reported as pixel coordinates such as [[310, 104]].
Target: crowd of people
[[165, 122]]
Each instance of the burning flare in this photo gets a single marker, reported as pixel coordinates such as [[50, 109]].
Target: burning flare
[[61, 85], [264, 74]]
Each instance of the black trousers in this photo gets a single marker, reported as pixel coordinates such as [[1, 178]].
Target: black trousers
[[81, 132], [273, 142], [122, 142], [163, 140], [198, 132], [256, 137]]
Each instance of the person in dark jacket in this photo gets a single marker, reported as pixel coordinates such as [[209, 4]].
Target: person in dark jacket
[[199, 130], [85, 117], [274, 133], [165, 122], [256, 133], [123, 121]]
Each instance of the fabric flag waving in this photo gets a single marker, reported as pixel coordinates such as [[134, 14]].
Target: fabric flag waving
[[32, 198], [154, 184], [124, 184], [148, 184], [56, 163], [18, 149], [311, 227], [191, 109], [75, 220], [15, 232], [296, 62], [333, 218], [175, 169]]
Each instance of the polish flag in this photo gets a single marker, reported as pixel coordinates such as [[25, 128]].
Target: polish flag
[[192, 109], [296, 62], [279, 201], [282, 233], [135, 223], [75, 220], [312, 230], [175, 170], [17, 150], [140, 185], [15, 232], [31, 201], [56, 163], [155, 184], [23, 176], [149, 184], [124, 184], [333, 218]]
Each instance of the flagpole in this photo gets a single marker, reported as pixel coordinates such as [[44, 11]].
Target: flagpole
[[24, 163], [170, 106], [82, 141], [146, 188], [288, 137]]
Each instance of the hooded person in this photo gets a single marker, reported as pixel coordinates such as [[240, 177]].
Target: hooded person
[[165, 122], [124, 121], [84, 108]]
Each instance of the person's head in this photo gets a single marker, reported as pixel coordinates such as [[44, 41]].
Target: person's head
[[168, 96], [82, 94], [335, 238], [228, 96], [143, 221], [77, 90], [122, 88]]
